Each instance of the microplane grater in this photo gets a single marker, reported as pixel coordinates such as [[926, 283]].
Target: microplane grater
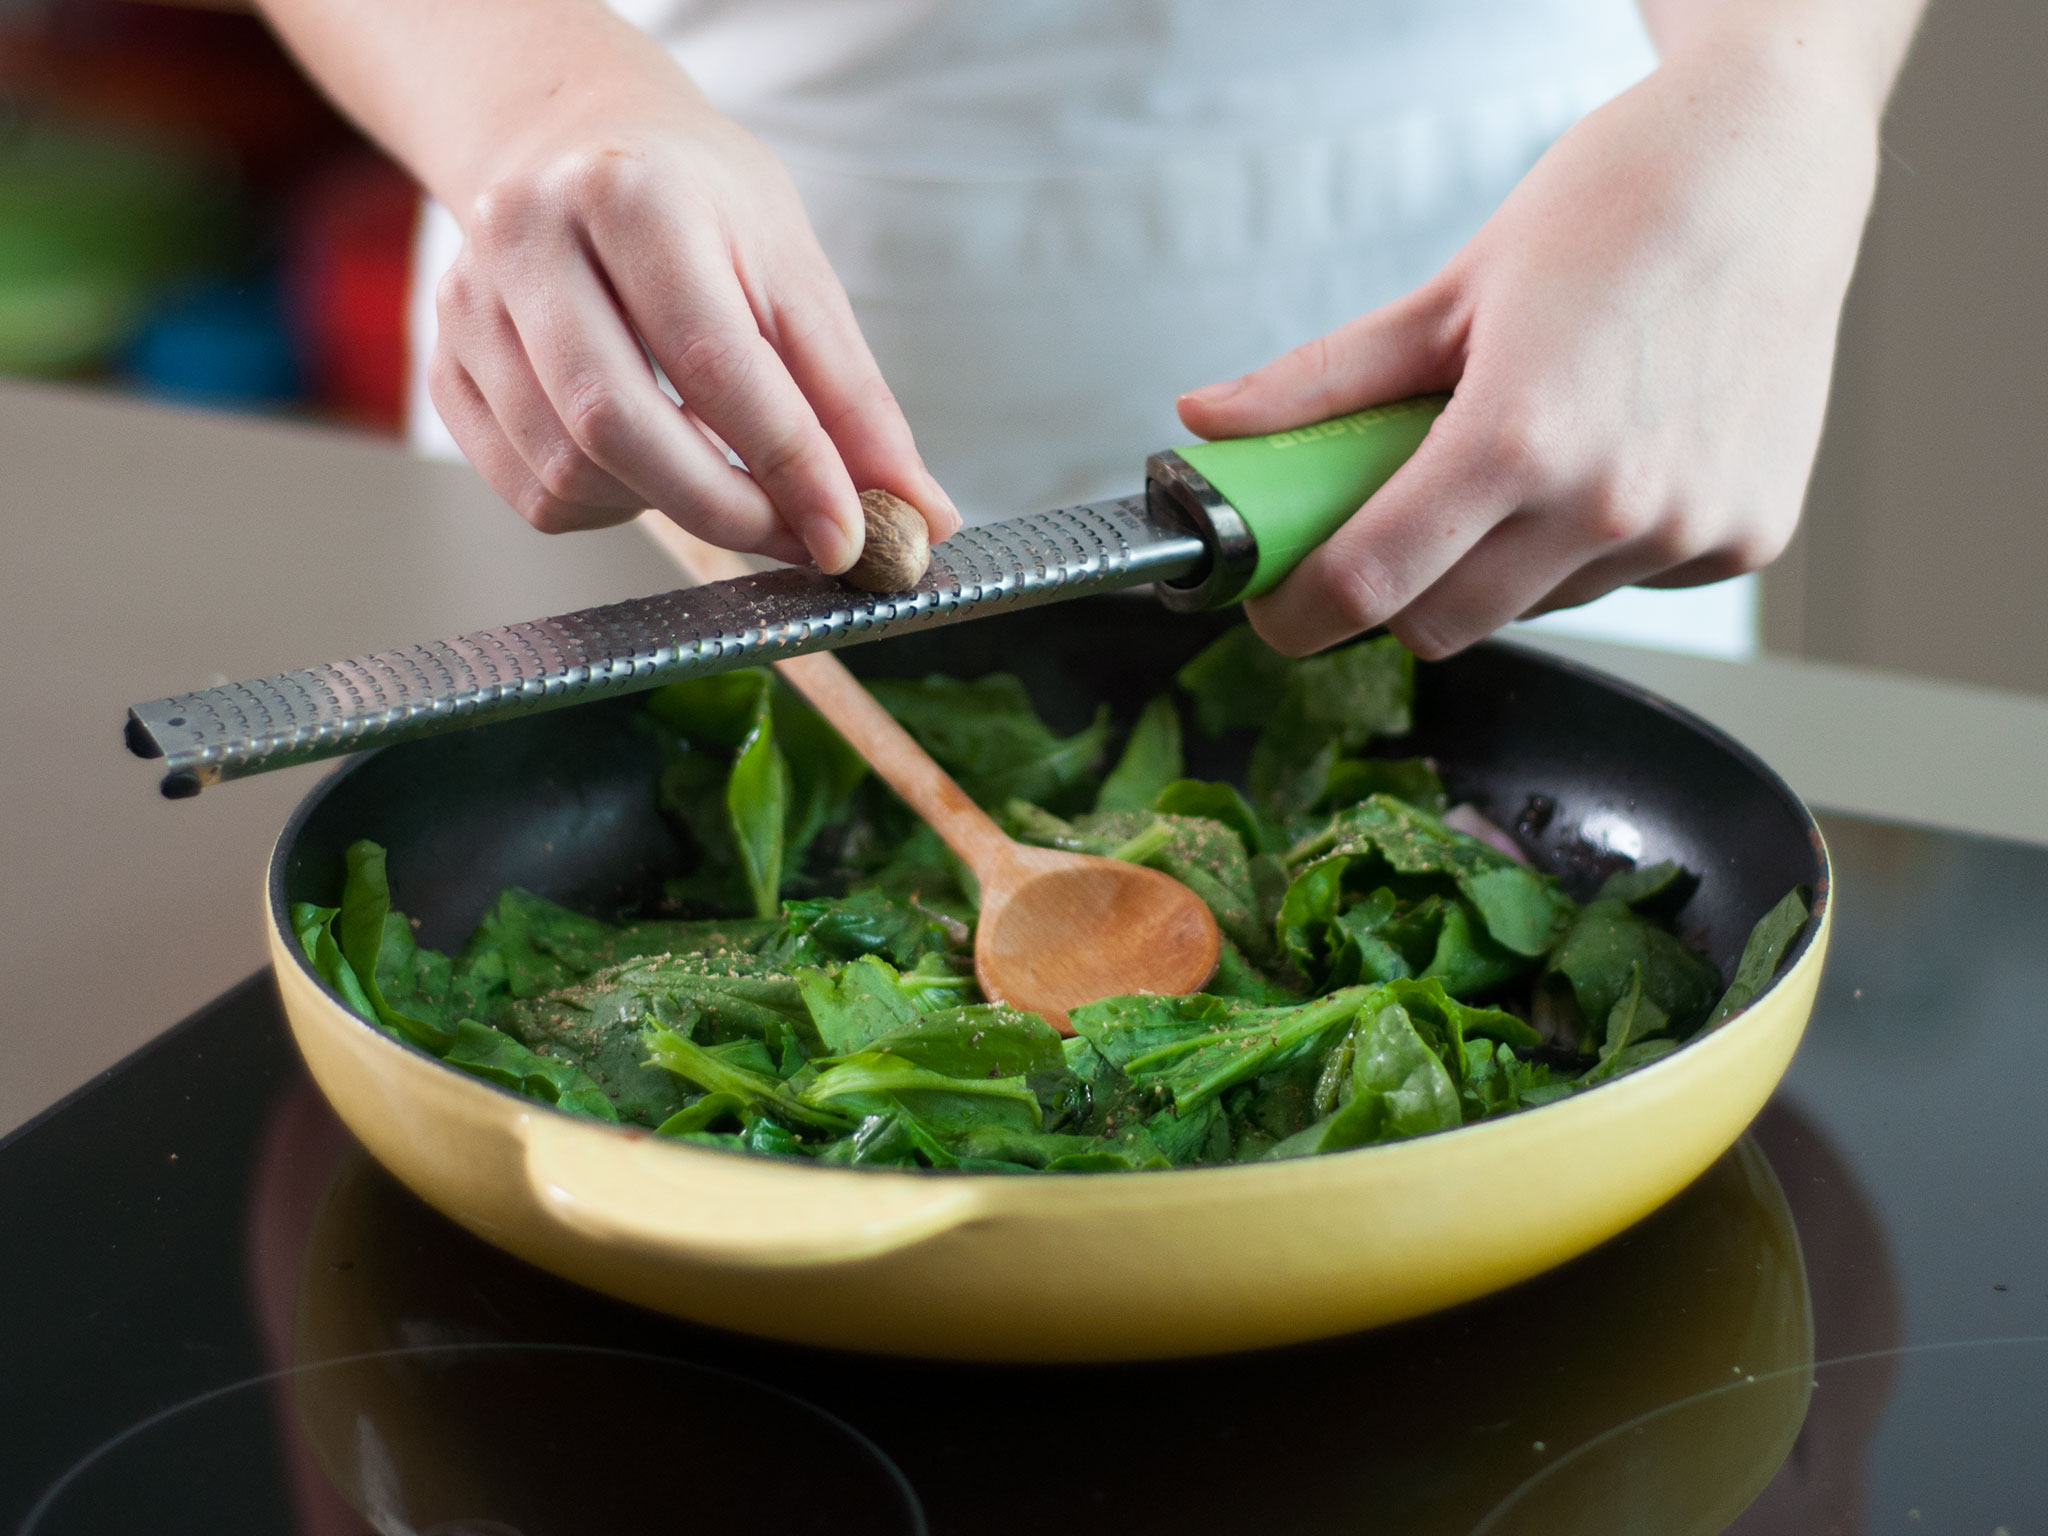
[[214, 734]]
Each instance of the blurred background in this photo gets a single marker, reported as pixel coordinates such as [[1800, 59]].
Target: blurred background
[[182, 215]]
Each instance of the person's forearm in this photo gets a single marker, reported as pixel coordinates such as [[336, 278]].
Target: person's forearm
[[1850, 49], [446, 85]]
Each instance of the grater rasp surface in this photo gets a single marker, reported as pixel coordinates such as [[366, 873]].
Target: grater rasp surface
[[348, 706]]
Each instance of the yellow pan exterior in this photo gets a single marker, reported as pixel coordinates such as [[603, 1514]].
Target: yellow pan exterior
[[1050, 1267]]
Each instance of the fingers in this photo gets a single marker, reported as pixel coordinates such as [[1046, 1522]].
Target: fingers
[[1557, 552], [1409, 347], [1518, 562], [781, 544], [1464, 479], [689, 238], [594, 377], [678, 284], [561, 488], [1637, 569], [475, 427], [819, 340]]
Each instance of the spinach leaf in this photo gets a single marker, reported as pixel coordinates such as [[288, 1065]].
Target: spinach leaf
[[823, 769], [1307, 912], [1202, 1136], [1042, 1149], [946, 1104], [1195, 1068], [377, 949], [861, 1001], [1333, 704], [1633, 1019], [1151, 760], [785, 774], [757, 800], [496, 1057], [867, 921], [978, 1040], [691, 792], [315, 927], [1497, 1082], [1522, 910], [758, 1092], [1465, 957], [1413, 779], [1237, 978], [1431, 1005], [1122, 1029], [1610, 945], [891, 1138], [1385, 937], [1399, 1088], [930, 877], [718, 711], [1392, 1064], [1764, 951], [527, 945], [1224, 803], [988, 736], [1236, 681], [598, 1023], [1660, 888], [1361, 940], [707, 1114], [1626, 1060]]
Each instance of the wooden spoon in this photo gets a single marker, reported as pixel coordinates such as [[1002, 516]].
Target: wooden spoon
[[1057, 929]]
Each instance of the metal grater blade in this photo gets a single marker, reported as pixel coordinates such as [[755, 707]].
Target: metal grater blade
[[348, 706]]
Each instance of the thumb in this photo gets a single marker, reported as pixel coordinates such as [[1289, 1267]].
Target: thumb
[[1409, 347]]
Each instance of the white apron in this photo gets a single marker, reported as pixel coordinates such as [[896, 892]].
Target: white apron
[[1054, 216]]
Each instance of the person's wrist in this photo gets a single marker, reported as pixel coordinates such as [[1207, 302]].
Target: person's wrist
[[609, 72], [1807, 125], [1786, 71]]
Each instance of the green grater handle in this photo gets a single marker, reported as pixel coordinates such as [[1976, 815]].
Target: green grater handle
[[1292, 490]]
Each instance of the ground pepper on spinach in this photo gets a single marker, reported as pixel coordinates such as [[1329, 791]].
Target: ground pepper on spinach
[[1384, 975]]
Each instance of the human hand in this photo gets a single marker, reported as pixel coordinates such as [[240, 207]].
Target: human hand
[[626, 207], [1639, 340]]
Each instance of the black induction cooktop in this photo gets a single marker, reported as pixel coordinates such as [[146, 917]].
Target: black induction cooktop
[[218, 1315]]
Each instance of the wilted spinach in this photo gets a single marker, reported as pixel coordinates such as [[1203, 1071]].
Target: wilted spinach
[[1384, 975]]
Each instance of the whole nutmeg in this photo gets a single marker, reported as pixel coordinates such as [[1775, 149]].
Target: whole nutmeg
[[898, 548]]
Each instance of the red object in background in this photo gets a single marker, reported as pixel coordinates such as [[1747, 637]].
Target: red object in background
[[201, 75], [348, 266]]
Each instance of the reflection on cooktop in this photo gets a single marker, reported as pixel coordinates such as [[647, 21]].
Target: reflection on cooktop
[[480, 1439], [1842, 1327]]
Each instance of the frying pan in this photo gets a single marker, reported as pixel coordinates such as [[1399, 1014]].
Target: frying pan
[[1060, 1266]]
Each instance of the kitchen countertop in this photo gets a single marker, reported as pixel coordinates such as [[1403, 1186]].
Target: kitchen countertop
[[153, 549]]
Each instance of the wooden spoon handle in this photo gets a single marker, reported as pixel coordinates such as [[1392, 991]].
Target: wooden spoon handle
[[868, 728], [894, 754]]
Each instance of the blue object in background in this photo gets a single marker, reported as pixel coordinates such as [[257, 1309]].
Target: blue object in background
[[219, 342]]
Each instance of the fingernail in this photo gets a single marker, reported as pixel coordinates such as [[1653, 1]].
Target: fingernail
[[1210, 394], [833, 546], [936, 499]]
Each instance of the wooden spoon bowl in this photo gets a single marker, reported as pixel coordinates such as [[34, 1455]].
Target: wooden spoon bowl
[[1061, 929], [1056, 929]]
